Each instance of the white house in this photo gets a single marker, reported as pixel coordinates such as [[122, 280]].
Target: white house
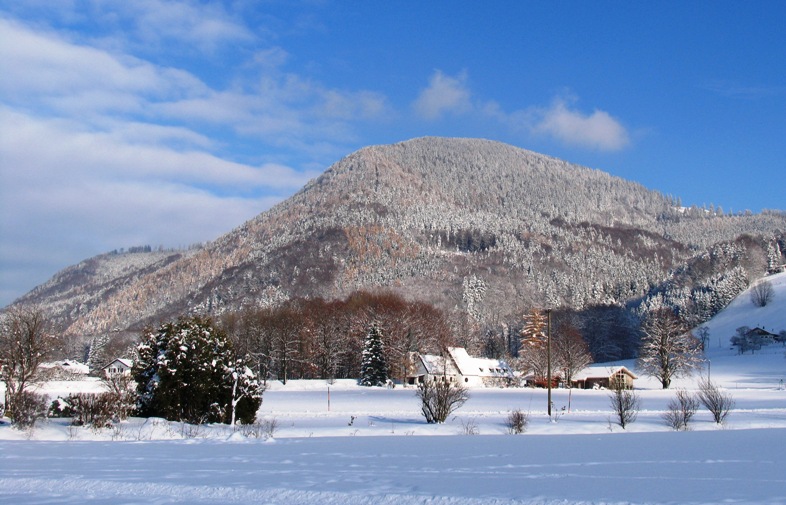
[[459, 367], [119, 366]]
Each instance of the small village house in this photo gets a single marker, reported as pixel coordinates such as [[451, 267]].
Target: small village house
[[595, 377], [119, 366], [459, 367]]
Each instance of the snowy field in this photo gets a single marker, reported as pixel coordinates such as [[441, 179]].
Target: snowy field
[[345, 444]]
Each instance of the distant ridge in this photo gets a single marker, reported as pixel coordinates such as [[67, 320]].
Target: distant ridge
[[474, 226]]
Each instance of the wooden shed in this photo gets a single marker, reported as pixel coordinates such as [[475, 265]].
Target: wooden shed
[[596, 377]]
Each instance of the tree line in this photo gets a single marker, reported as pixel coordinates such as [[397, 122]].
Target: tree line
[[317, 338]]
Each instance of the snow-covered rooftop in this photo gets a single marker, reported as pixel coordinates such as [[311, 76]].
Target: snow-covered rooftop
[[601, 371], [482, 367]]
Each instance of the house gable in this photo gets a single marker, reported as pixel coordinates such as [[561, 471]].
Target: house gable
[[119, 366]]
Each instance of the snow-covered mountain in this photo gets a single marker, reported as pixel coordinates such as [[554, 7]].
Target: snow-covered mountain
[[472, 226]]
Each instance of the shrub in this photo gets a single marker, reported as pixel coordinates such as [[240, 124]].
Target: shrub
[[517, 422], [681, 410], [624, 404], [469, 426], [438, 399], [95, 410], [122, 396], [29, 408], [264, 428], [716, 401]]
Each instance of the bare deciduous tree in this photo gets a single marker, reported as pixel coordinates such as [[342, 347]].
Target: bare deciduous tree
[[716, 401], [26, 340], [681, 410], [667, 349], [762, 293], [571, 351], [624, 404]]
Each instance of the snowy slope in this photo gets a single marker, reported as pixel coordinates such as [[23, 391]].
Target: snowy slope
[[344, 444], [766, 368], [742, 312]]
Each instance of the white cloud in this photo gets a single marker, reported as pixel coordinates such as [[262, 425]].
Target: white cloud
[[451, 95], [735, 89], [74, 192], [131, 152], [48, 71], [443, 95], [103, 149], [204, 25], [598, 130]]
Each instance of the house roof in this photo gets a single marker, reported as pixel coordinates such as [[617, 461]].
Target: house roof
[[760, 332], [70, 365], [461, 363], [435, 365], [123, 361], [480, 367], [602, 372]]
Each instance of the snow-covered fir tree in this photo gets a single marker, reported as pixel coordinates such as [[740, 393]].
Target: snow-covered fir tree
[[187, 371], [373, 368], [96, 355], [774, 257]]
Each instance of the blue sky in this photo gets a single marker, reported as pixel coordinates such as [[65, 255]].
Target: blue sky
[[170, 123]]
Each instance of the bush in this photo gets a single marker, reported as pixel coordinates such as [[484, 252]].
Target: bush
[[716, 401], [29, 408], [469, 426], [517, 422], [60, 408], [438, 399], [121, 394], [187, 371], [264, 428], [681, 410], [625, 405], [95, 410]]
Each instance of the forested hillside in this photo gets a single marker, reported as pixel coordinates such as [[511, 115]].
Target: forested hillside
[[482, 230]]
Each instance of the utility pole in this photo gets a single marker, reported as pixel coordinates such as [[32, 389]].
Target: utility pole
[[548, 357]]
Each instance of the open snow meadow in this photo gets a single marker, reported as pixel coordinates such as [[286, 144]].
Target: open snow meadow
[[340, 443]]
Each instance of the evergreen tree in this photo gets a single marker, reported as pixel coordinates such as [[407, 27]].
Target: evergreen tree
[[96, 356], [373, 368], [773, 257], [187, 371]]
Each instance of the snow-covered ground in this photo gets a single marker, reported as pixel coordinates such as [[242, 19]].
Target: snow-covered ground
[[345, 444]]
